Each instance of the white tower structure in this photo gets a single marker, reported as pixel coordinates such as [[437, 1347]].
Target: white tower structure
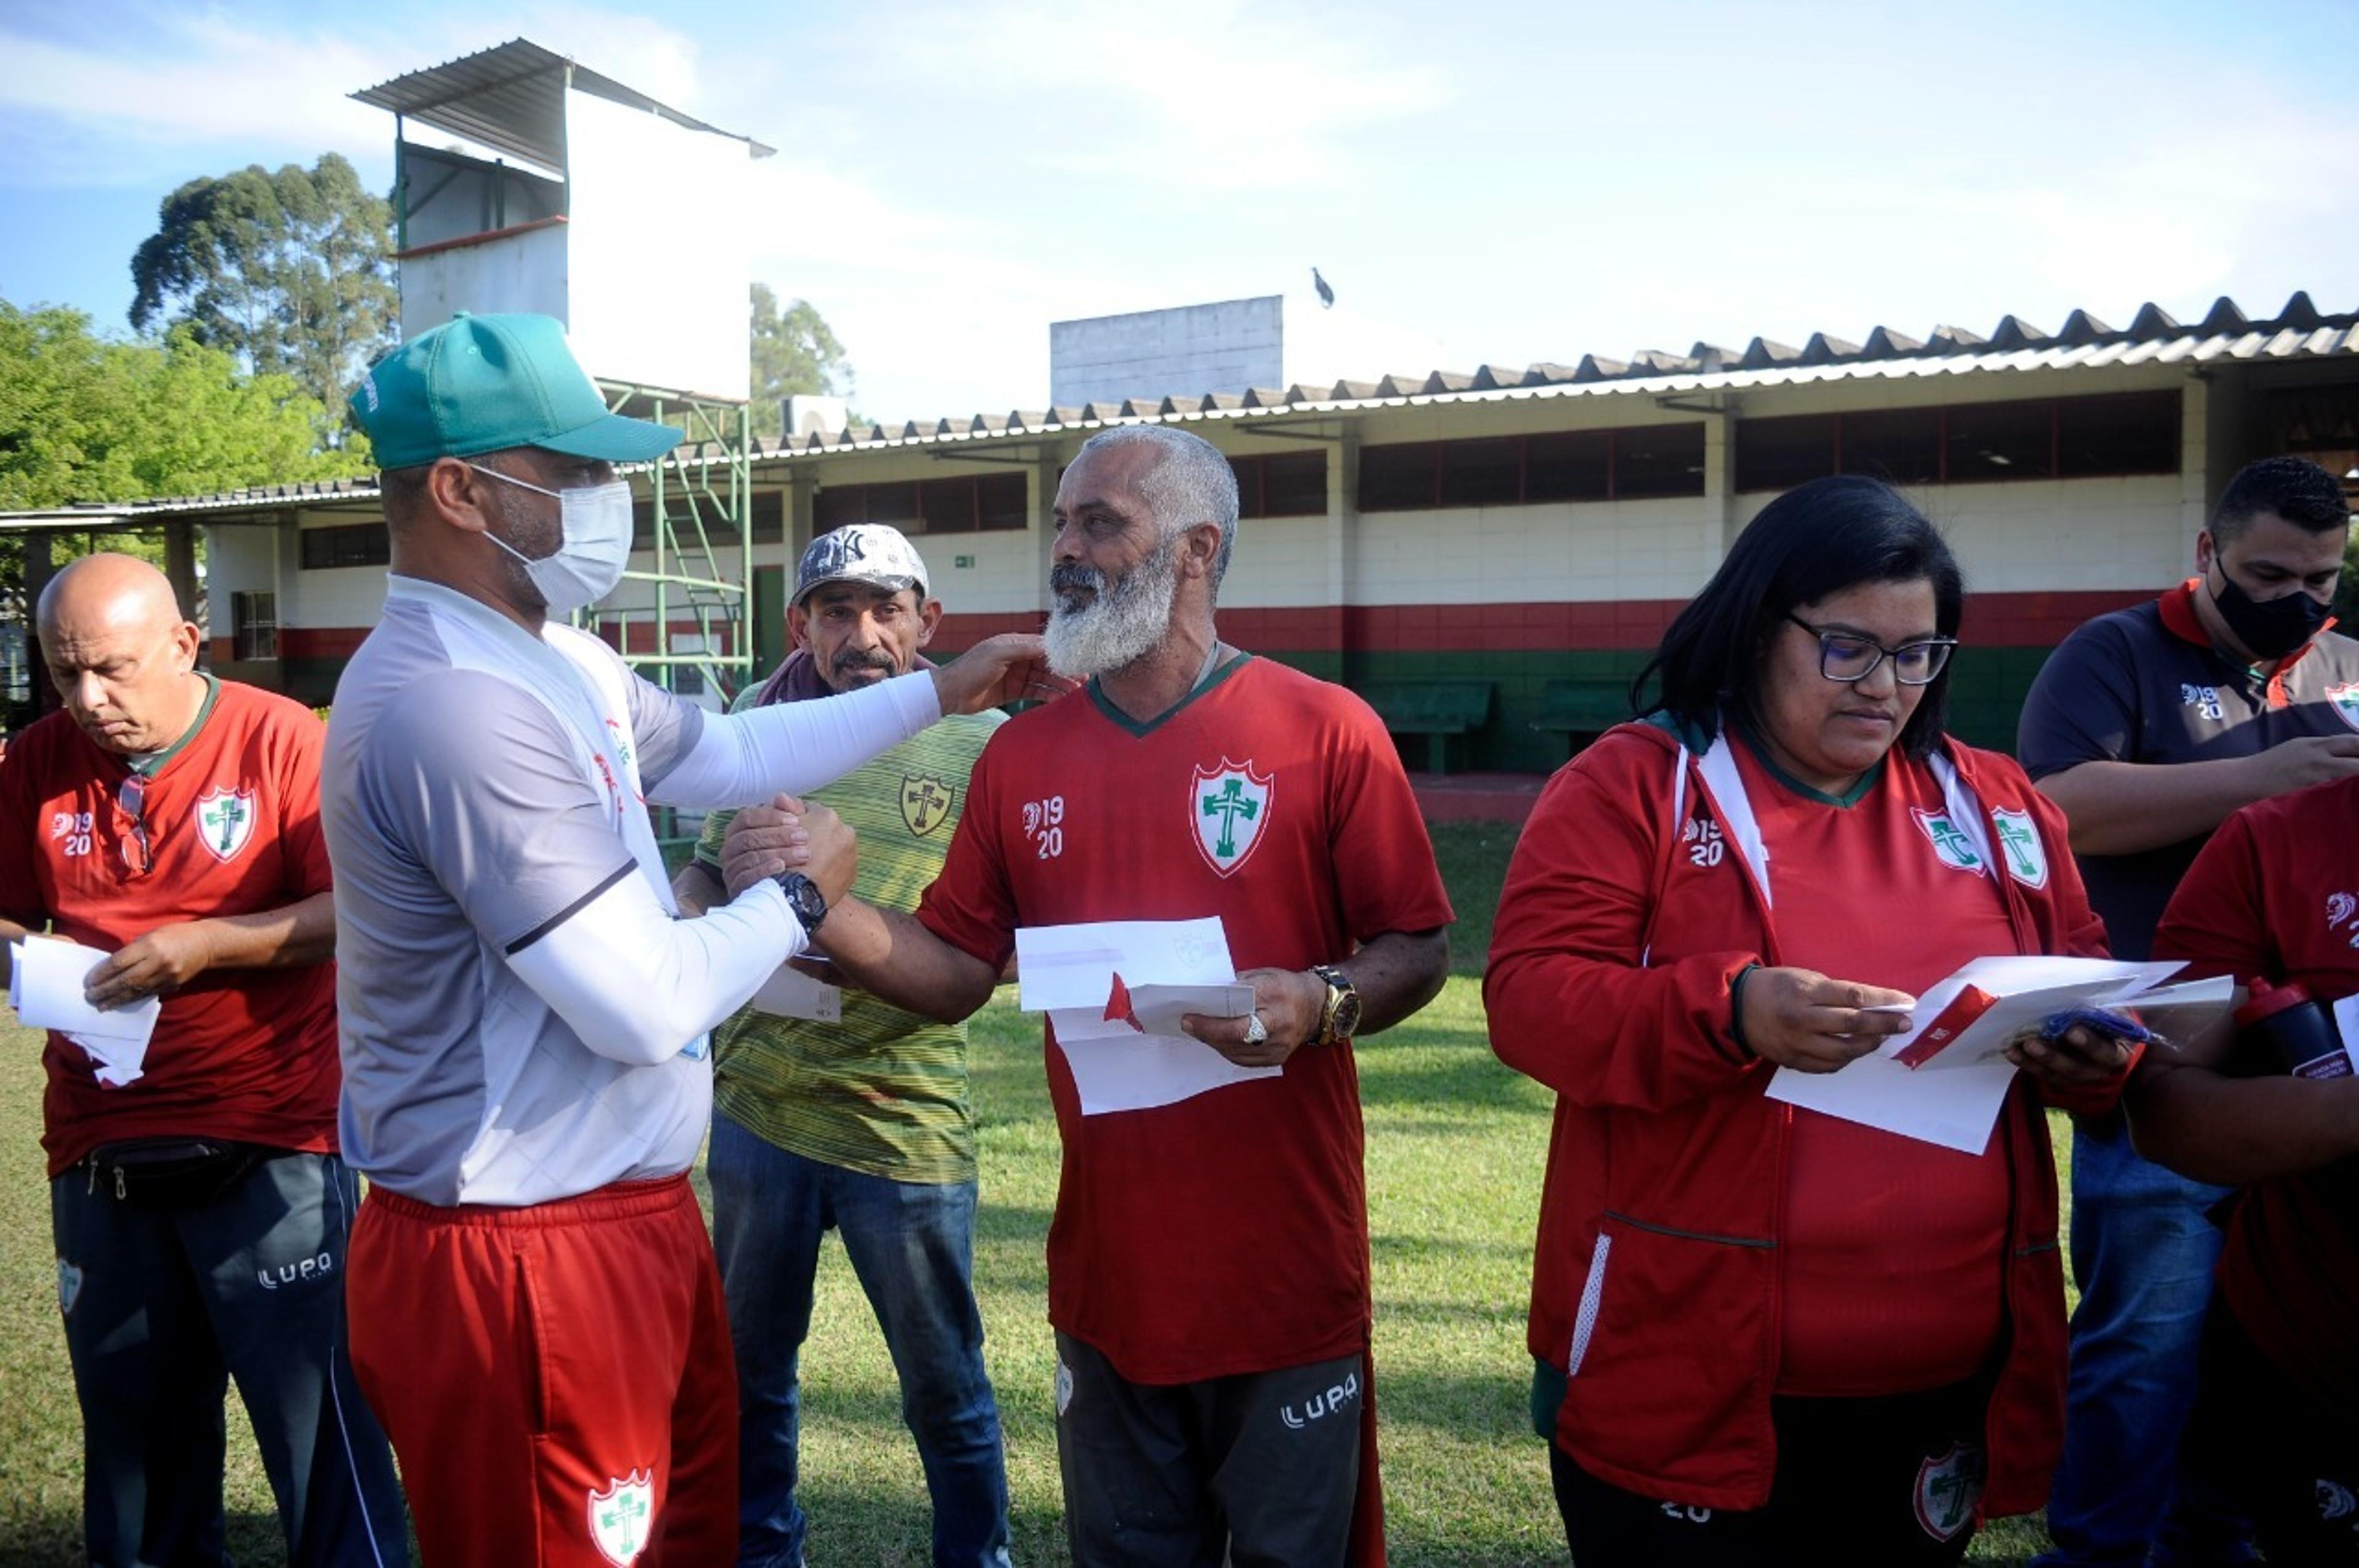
[[526, 182]]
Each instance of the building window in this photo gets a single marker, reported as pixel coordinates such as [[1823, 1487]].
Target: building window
[[2000, 440], [254, 625], [1658, 460], [1898, 446], [2138, 434], [1399, 479], [349, 544], [1525, 470], [1281, 484], [970, 503], [1778, 454], [1966, 443]]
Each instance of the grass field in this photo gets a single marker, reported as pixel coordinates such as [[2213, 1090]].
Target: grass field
[[1455, 1146]]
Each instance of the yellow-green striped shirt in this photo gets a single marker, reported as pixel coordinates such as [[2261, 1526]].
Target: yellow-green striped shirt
[[883, 1092]]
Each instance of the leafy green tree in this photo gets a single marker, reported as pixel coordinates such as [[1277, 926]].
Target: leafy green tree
[[290, 272], [793, 351], [83, 418], [86, 420]]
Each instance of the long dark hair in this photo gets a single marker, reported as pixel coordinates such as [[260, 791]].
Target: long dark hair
[[1816, 540]]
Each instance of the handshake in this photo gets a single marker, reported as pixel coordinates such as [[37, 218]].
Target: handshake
[[786, 835]]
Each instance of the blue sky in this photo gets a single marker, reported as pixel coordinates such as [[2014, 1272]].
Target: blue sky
[[1480, 181]]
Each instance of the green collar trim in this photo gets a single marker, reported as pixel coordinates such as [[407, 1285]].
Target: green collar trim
[[1844, 801], [149, 766], [1141, 731], [1695, 737]]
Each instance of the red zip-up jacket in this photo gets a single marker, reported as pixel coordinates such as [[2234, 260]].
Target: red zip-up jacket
[[1656, 1278]]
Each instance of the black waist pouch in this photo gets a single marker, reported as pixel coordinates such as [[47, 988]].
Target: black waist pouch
[[172, 1173]]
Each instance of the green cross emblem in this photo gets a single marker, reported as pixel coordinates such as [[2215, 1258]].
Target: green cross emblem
[[1950, 842], [231, 817], [2016, 840], [1230, 804]]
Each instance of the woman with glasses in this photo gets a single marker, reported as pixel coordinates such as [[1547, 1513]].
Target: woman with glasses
[[1765, 1334]]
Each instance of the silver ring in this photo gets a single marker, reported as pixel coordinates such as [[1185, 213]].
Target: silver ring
[[1257, 1032]]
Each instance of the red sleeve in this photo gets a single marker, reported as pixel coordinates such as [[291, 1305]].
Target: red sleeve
[[1385, 871], [2217, 921], [1569, 1002], [19, 822], [300, 740], [971, 905]]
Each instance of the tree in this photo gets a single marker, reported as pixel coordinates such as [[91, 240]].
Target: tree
[[793, 351], [289, 272], [83, 419]]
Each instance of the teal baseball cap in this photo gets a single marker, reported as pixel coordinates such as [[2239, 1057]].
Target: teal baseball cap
[[484, 383]]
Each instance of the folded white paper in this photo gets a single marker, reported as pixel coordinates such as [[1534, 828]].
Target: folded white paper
[[1952, 1096], [2346, 1020], [790, 993], [2017, 995], [1114, 992], [45, 987], [1955, 1109]]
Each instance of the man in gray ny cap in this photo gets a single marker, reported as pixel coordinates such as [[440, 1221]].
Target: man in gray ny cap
[[861, 1123]]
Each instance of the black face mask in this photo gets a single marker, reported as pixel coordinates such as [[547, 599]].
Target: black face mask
[[2271, 628]]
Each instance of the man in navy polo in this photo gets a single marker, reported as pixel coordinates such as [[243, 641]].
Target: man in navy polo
[[2149, 726]]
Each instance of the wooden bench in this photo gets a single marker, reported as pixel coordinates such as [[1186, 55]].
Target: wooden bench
[[1436, 710], [1586, 705]]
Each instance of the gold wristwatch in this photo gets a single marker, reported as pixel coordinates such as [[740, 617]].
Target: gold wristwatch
[[1340, 1016]]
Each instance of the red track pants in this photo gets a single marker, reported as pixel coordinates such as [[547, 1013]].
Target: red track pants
[[555, 1379]]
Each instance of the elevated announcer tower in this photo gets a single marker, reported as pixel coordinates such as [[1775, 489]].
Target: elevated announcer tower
[[553, 188]]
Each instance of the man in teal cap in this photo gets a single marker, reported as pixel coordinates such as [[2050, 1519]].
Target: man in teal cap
[[523, 1014]]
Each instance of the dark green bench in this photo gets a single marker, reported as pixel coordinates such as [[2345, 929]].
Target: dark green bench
[[1436, 710], [1585, 705]]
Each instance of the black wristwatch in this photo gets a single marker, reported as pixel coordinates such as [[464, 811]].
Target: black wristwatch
[[1340, 1016], [804, 898]]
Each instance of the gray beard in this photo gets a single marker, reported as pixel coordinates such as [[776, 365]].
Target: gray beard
[[1122, 624]]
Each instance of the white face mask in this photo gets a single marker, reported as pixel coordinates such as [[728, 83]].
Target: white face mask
[[594, 544]]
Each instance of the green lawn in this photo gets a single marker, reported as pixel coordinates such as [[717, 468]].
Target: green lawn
[[1455, 1147]]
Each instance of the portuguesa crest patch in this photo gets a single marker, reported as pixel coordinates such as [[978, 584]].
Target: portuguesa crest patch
[[2019, 847], [1229, 808], [925, 801], [225, 821], [620, 1517]]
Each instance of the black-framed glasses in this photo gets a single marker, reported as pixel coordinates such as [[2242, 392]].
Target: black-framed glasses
[[131, 799], [1847, 656]]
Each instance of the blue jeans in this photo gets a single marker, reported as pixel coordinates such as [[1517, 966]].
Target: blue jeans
[[162, 1307], [2143, 1254], [912, 1245]]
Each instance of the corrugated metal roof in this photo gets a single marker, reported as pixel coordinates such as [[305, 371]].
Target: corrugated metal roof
[[2153, 337], [511, 97], [2299, 331]]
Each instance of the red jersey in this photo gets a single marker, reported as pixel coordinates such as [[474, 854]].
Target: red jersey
[[1892, 1248], [2274, 896], [231, 817], [1227, 1233]]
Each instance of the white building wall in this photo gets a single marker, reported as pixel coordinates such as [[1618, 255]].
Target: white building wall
[[1579, 553], [335, 596], [1279, 561]]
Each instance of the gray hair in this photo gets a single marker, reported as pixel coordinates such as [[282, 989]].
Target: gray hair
[[1191, 483]]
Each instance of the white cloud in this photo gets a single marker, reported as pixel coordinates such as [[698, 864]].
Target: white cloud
[[176, 93], [208, 81], [1217, 96]]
